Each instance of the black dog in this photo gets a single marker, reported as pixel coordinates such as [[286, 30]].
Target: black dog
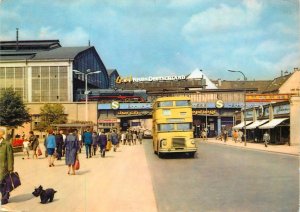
[[45, 195]]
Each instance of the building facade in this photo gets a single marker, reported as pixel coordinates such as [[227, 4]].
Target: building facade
[[43, 71]]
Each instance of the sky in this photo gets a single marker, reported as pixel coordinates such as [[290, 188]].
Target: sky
[[168, 37]]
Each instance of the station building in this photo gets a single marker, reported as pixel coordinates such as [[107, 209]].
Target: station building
[[44, 72]]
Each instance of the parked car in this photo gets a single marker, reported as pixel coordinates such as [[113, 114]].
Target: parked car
[[17, 144], [147, 134]]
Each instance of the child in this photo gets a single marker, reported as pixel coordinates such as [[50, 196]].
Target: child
[[26, 148]]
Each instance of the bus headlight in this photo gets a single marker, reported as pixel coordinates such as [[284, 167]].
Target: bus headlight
[[192, 141], [164, 142]]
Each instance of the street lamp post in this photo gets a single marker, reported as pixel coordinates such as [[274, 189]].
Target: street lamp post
[[86, 92], [244, 104]]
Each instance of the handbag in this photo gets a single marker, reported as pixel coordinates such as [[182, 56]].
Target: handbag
[[39, 152], [12, 181], [77, 164]]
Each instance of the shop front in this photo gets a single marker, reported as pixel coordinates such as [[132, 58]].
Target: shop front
[[215, 119], [273, 118]]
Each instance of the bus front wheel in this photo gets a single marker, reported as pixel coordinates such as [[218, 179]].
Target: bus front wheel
[[192, 154]]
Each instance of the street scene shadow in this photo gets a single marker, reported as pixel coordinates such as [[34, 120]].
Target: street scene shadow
[[83, 172], [177, 156], [21, 198]]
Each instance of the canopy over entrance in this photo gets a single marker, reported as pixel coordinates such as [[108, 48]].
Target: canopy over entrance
[[273, 123], [241, 125], [256, 124]]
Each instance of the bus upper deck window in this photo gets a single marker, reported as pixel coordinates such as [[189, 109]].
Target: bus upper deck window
[[183, 103], [165, 104]]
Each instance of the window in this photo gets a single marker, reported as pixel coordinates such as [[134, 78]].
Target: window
[[165, 104], [166, 112], [165, 127], [184, 126], [182, 103]]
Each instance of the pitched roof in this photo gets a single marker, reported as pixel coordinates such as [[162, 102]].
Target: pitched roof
[[31, 45], [259, 85], [60, 53], [276, 83], [198, 74], [111, 71]]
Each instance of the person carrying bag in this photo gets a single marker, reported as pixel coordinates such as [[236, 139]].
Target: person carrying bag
[[6, 167]]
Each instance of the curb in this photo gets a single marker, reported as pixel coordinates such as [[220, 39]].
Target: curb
[[249, 148]]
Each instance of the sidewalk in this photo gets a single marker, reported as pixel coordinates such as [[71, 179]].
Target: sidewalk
[[284, 149], [119, 182]]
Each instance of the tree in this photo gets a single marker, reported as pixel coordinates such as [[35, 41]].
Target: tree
[[13, 112], [51, 114]]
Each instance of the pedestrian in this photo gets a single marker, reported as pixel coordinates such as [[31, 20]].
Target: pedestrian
[[59, 139], [114, 140], [129, 137], [26, 149], [108, 136], [266, 138], [23, 136], [95, 142], [123, 138], [79, 137], [134, 137], [240, 136], [140, 136], [87, 139], [64, 139], [119, 138], [102, 143], [72, 146], [235, 136], [204, 134], [6, 165], [34, 144], [225, 135], [50, 144]]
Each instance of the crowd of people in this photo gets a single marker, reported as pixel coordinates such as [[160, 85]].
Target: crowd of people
[[59, 144]]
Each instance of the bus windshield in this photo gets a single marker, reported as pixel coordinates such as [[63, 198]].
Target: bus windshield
[[165, 127], [165, 104], [184, 126], [183, 103]]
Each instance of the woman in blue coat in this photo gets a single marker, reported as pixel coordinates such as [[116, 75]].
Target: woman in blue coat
[[72, 146]]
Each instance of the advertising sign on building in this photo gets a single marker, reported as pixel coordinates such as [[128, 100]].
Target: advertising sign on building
[[267, 97], [281, 109], [131, 79]]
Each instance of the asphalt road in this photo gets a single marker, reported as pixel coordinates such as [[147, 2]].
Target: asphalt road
[[222, 178]]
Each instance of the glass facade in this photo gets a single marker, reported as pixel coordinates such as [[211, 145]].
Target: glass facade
[[16, 78], [90, 60], [49, 84]]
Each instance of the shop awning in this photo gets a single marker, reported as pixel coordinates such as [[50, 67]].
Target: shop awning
[[241, 125], [272, 123], [256, 124]]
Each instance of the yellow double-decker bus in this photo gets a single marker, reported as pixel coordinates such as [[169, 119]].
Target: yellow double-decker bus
[[172, 126]]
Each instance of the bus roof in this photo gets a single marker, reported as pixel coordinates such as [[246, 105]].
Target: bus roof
[[172, 98]]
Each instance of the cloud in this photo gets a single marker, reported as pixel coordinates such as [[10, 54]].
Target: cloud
[[76, 37], [222, 19]]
